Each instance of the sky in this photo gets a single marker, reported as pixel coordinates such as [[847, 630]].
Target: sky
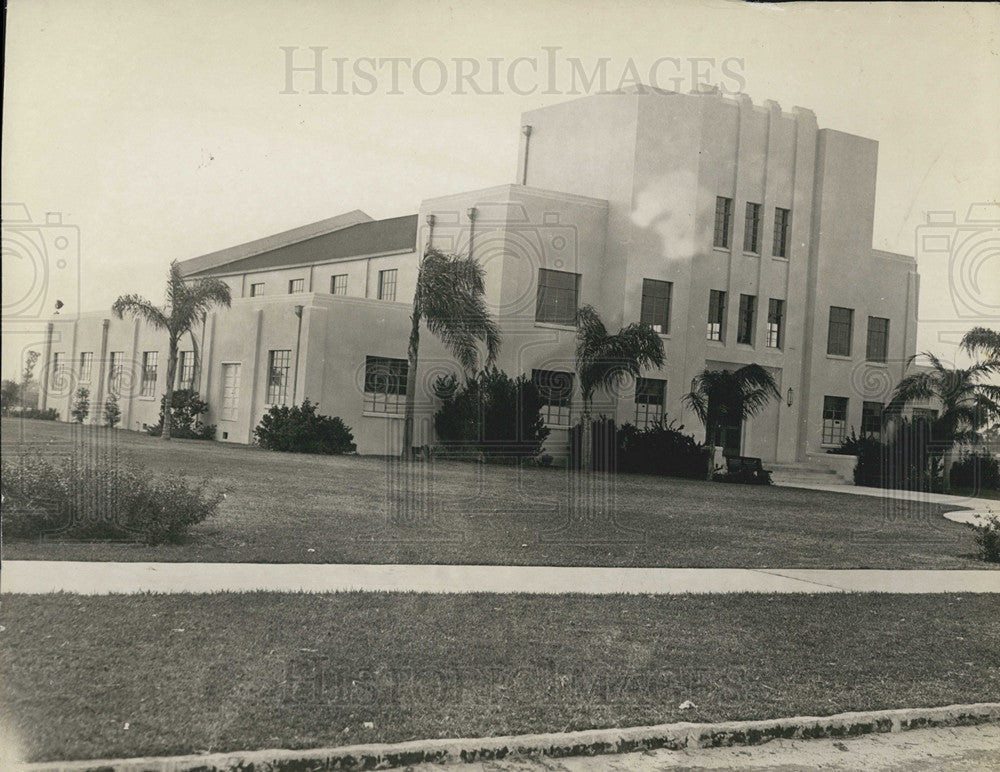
[[160, 130]]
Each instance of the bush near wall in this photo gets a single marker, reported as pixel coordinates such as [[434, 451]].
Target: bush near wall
[[101, 498], [300, 429], [187, 409], [491, 415], [664, 450], [976, 471], [906, 461], [49, 414]]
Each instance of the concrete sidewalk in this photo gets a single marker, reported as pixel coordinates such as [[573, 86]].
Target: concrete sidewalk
[[96, 578]]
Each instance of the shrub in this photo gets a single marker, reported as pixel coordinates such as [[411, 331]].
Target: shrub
[[82, 497], [491, 414], [300, 429], [49, 414], [905, 461], [112, 413], [850, 446], [81, 405], [662, 450], [988, 538], [976, 471], [186, 408]]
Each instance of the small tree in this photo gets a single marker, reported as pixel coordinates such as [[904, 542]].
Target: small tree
[[81, 405], [719, 397], [30, 360], [187, 303], [10, 394], [112, 413]]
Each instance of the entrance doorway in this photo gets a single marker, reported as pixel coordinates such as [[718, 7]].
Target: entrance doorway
[[730, 437]]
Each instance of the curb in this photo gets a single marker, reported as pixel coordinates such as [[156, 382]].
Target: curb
[[584, 743]]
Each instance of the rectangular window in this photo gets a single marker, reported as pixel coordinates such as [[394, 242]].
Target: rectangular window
[[838, 340], [186, 367], [385, 385], [748, 311], [149, 359], [296, 285], [751, 230], [338, 284], [556, 301], [387, 284], [834, 420], [723, 221], [556, 390], [871, 419], [650, 394], [878, 339], [116, 365], [230, 391], [655, 309], [775, 322], [86, 365], [278, 365], [57, 366], [256, 289], [924, 415], [782, 219], [717, 315]]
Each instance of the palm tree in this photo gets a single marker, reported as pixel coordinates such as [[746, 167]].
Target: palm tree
[[449, 299], [967, 405], [186, 304], [604, 361], [720, 397], [983, 340]]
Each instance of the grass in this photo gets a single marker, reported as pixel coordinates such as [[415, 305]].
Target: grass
[[348, 509], [267, 670]]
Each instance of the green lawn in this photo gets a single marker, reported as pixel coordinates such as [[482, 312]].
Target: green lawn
[[85, 677], [296, 508]]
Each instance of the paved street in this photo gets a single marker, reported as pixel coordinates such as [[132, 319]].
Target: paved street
[[94, 578], [958, 749]]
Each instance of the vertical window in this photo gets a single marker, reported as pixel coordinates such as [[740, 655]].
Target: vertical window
[[656, 304], [57, 366], [186, 364], [387, 284], [556, 301], [277, 376], [838, 340], [116, 366], [258, 289], [871, 419], [650, 395], [230, 391], [556, 390], [86, 365], [834, 419], [723, 221], [296, 285], [385, 385], [149, 361], [748, 310], [338, 284], [782, 219], [751, 230], [717, 315], [775, 322], [878, 339]]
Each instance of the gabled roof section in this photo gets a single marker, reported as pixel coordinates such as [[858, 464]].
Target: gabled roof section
[[341, 236]]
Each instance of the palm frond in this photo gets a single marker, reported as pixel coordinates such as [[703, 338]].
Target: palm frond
[[138, 307], [605, 361], [983, 340], [450, 299]]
